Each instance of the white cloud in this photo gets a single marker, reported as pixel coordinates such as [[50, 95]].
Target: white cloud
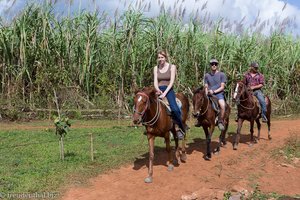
[[5, 5], [253, 15]]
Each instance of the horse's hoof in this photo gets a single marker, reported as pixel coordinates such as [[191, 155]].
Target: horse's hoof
[[269, 137], [175, 162], [170, 168], [207, 158], [217, 152], [235, 147], [183, 157], [148, 180], [250, 145]]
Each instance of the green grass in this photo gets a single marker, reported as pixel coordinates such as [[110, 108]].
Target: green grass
[[30, 160]]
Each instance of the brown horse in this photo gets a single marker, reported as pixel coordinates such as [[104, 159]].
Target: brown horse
[[206, 116], [248, 109], [153, 114]]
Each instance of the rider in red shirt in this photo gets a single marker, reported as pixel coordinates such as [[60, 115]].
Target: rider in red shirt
[[255, 80]]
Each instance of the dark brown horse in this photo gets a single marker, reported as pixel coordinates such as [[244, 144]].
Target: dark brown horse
[[206, 116], [249, 109], [153, 114]]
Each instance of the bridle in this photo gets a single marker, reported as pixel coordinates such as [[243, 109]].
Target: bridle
[[236, 92], [142, 114], [199, 114]]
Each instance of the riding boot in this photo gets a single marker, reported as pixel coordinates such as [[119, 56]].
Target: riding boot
[[264, 118]]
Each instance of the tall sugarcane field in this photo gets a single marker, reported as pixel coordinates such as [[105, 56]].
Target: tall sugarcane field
[[73, 75]]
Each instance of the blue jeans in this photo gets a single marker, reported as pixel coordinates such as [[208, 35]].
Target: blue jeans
[[261, 98], [176, 112]]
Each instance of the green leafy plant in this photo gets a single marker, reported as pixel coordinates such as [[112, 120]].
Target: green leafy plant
[[62, 125]]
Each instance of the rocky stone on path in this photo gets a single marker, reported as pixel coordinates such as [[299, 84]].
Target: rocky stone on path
[[235, 197], [286, 165], [205, 194], [240, 191]]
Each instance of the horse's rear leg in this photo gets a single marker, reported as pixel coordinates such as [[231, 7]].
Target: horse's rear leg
[[269, 127], [149, 179], [238, 134], [258, 128], [183, 156], [169, 151]]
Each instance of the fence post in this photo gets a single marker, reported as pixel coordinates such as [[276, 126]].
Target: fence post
[[61, 146], [92, 147]]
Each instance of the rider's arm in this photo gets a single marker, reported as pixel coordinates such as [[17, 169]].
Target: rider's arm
[[261, 83], [255, 87], [220, 89]]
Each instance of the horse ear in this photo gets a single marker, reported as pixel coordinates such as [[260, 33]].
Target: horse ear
[[195, 89]]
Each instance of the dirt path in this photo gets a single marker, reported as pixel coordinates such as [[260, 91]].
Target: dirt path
[[246, 167]]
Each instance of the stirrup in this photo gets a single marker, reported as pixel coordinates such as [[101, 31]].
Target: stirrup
[[179, 132]]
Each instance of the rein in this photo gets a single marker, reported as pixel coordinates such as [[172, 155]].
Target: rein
[[156, 116], [206, 106]]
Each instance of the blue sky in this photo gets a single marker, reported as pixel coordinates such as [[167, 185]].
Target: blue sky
[[253, 15]]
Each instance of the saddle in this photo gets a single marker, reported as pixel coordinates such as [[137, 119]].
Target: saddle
[[214, 103], [166, 103]]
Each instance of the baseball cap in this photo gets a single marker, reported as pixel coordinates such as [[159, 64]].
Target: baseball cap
[[213, 61], [254, 64]]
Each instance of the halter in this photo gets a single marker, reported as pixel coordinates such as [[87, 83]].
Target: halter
[[147, 104], [157, 114]]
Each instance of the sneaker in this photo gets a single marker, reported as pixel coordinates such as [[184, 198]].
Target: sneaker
[[180, 134], [264, 119], [221, 126]]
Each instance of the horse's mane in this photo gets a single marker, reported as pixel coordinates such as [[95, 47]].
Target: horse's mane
[[150, 91], [198, 90]]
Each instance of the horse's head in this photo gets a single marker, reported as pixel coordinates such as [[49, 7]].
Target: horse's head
[[239, 89], [198, 101], [142, 103]]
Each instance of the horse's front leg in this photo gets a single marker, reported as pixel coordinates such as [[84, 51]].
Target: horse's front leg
[[151, 138], [208, 141], [169, 151], [238, 134]]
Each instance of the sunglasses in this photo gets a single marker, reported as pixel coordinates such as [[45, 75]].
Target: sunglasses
[[214, 63]]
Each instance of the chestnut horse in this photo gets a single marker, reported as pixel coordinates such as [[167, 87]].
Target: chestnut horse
[[206, 116], [249, 109], [153, 114]]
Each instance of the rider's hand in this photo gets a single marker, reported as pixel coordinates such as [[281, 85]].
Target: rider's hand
[[162, 96], [158, 92]]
